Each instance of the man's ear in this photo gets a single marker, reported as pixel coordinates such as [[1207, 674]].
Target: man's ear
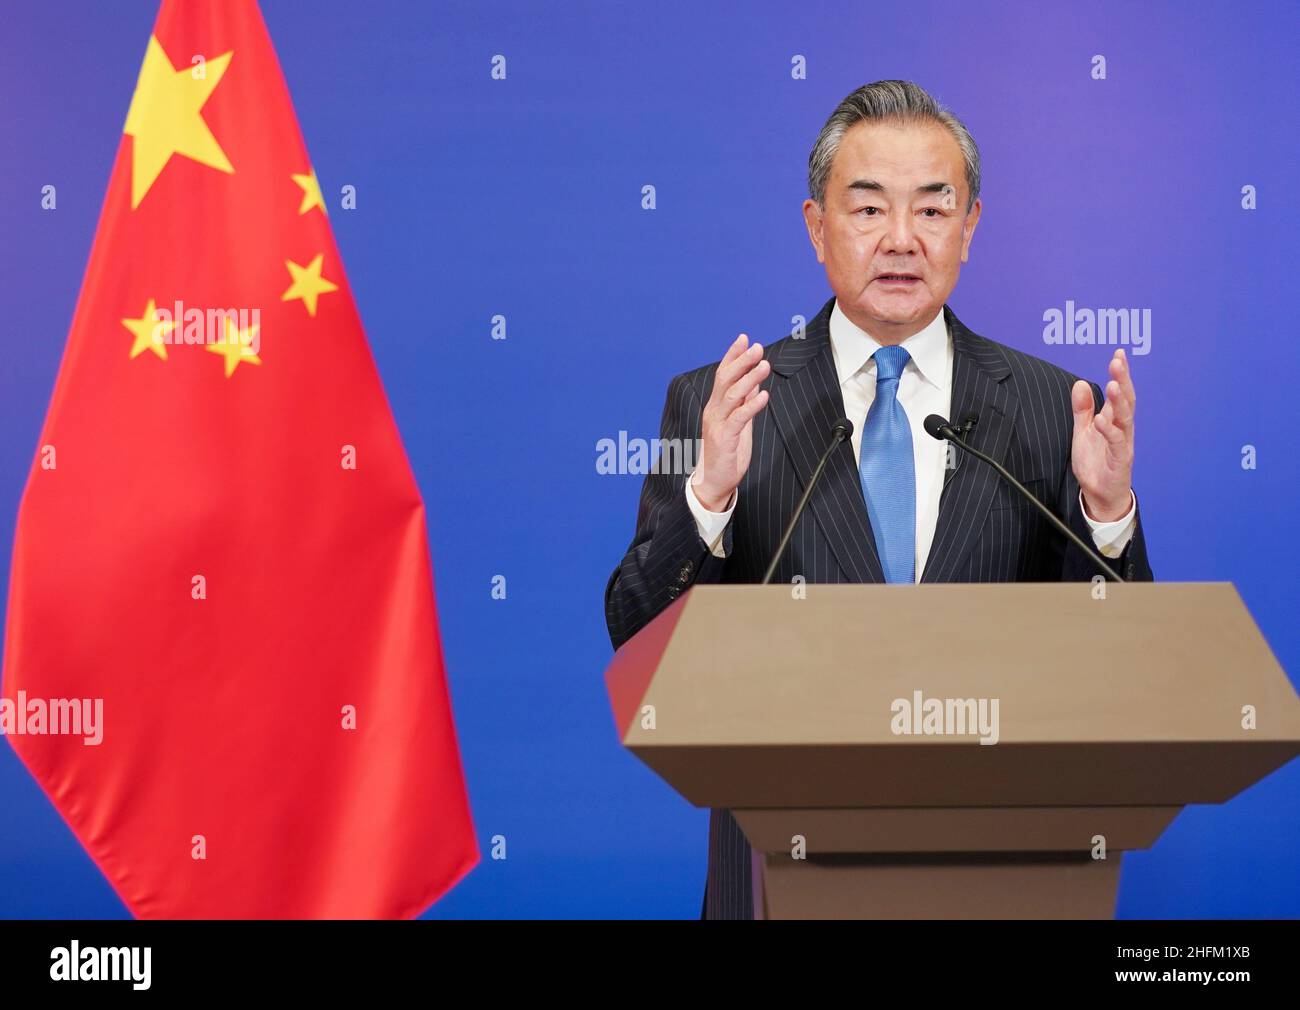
[[968, 230], [812, 218]]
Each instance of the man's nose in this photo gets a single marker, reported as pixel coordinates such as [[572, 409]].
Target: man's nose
[[901, 237]]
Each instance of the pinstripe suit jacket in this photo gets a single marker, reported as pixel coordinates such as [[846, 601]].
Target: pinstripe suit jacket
[[985, 532]]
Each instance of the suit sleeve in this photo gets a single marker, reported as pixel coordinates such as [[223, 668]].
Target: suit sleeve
[[667, 555], [1132, 564]]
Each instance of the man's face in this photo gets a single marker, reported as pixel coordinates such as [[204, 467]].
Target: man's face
[[894, 231]]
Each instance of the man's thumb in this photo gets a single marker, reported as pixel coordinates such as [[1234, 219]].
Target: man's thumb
[[1082, 402]]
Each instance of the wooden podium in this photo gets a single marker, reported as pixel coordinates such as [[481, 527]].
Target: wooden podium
[[810, 713]]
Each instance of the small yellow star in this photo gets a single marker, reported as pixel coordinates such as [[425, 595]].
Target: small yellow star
[[165, 119], [236, 348], [308, 284], [149, 332], [311, 194]]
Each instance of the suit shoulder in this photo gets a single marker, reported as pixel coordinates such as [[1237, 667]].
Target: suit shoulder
[[698, 382], [1028, 368]]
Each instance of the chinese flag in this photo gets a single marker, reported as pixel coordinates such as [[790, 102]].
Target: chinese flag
[[221, 537]]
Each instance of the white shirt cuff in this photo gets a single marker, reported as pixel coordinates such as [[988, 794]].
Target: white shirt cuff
[[1112, 538], [710, 525]]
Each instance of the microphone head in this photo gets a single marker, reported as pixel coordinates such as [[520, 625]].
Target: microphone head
[[936, 427], [844, 425]]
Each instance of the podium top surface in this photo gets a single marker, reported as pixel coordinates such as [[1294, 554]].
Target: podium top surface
[[1150, 673]]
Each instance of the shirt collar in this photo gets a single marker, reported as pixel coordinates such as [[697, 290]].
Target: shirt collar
[[853, 347]]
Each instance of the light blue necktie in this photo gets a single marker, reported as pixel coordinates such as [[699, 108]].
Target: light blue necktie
[[888, 470]]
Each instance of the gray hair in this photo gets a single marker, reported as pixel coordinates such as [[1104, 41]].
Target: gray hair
[[888, 101]]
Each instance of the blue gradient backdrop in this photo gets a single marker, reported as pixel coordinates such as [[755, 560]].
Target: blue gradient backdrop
[[522, 197]]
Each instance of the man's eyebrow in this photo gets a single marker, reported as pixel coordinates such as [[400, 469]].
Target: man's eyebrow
[[871, 184]]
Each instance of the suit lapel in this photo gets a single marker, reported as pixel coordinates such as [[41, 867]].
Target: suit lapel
[[805, 406], [979, 371]]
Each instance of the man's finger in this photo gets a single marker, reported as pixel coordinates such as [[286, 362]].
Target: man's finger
[[1083, 404], [739, 391], [729, 371], [1117, 400], [747, 411], [737, 348], [1108, 429], [1124, 376], [1107, 410]]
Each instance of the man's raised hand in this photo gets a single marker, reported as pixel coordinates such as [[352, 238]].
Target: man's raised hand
[[727, 423], [1102, 452]]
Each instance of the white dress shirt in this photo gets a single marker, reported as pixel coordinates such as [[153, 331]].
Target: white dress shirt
[[924, 388]]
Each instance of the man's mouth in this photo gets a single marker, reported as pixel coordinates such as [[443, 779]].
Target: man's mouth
[[898, 280]]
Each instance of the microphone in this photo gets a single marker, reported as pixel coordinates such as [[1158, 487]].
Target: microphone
[[842, 431], [938, 427]]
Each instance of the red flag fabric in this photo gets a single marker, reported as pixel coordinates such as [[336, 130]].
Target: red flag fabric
[[221, 541]]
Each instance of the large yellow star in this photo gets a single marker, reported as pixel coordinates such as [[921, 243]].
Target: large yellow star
[[236, 348], [149, 332], [311, 194], [308, 284], [164, 118]]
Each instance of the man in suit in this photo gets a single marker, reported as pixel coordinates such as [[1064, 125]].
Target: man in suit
[[893, 204]]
